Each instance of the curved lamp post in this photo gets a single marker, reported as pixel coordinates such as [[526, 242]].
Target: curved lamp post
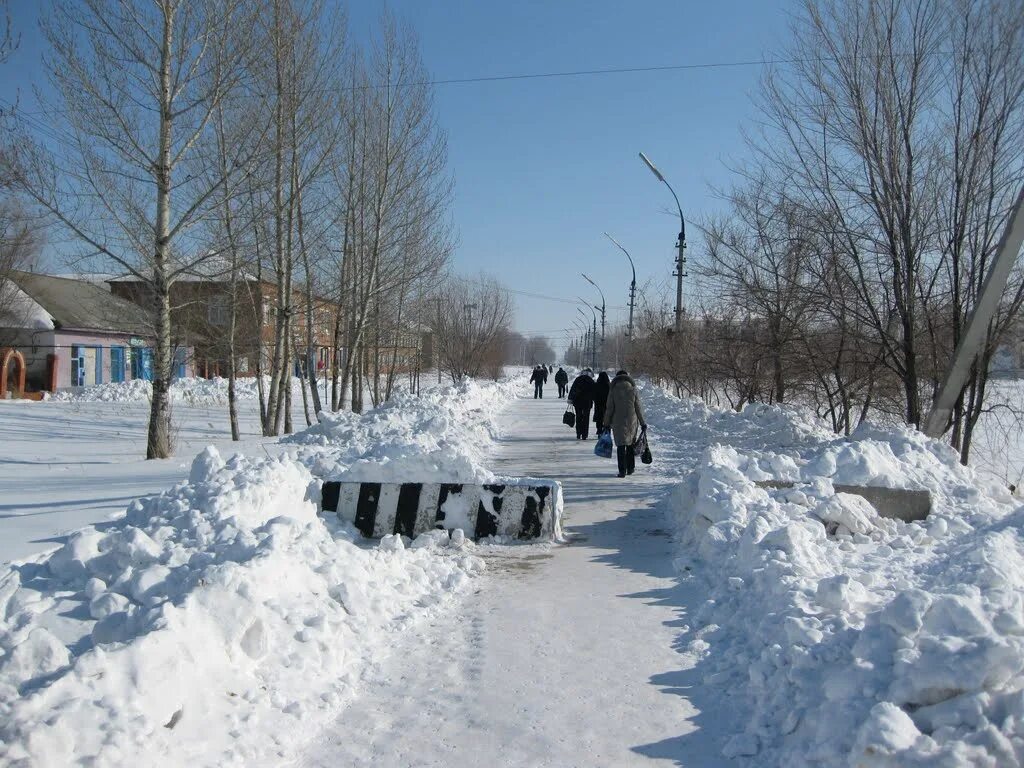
[[602, 311], [632, 287], [681, 245], [583, 330], [593, 336]]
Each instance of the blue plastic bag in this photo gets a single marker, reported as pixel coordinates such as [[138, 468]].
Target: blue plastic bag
[[604, 446]]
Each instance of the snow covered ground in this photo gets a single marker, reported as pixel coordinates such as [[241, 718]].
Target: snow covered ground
[[217, 622], [840, 637], [694, 617], [561, 656], [68, 464], [998, 447]]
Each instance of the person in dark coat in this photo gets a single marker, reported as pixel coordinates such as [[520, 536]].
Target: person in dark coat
[[581, 395], [625, 416], [601, 387], [537, 379], [562, 380]]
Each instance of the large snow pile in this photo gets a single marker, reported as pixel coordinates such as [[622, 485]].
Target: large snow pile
[[214, 624], [841, 637], [441, 435]]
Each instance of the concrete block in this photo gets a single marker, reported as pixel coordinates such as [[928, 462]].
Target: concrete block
[[526, 510], [894, 503]]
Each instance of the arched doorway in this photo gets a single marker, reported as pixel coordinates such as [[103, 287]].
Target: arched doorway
[[12, 373]]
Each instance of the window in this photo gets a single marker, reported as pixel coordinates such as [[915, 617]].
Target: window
[[117, 364], [217, 312]]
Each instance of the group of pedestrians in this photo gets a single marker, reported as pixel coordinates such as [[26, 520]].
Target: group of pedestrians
[[540, 377], [616, 408]]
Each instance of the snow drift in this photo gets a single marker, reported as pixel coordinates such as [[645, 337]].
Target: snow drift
[[222, 621], [210, 625], [189, 391], [842, 637], [441, 435]]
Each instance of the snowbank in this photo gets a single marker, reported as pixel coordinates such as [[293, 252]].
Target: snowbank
[[190, 391], [841, 637], [441, 435], [213, 624], [222, 621]]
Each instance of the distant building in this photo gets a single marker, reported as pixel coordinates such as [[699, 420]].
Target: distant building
[[201, 313], [74, 333]]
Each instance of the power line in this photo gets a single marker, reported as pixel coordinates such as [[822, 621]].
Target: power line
[[476, 79], [532, 295], [586, 72]]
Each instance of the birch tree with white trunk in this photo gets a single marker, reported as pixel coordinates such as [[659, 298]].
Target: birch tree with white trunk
[[125, 169]]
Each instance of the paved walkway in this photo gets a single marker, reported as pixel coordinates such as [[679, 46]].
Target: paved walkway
[[563, 656]]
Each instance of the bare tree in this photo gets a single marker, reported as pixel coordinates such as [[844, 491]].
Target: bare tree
[[981, 174], [758, 259], [850, 129], [138, 85], [19, 249], [469, 323], [8, 38], [899, 126], [396, 234]]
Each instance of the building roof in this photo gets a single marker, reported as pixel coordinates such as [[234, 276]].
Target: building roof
[[215, 268], [82, 305]]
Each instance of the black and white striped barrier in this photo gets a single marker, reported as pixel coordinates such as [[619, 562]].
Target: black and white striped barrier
[[522, 510]]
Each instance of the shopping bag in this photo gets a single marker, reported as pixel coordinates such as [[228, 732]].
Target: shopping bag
[[642, 448], [569, 417], [603, 448]]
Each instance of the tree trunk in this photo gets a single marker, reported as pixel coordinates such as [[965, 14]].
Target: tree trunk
[[159, 444]]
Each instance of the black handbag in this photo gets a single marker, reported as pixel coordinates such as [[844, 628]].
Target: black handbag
[[569, 417], [641, 447]]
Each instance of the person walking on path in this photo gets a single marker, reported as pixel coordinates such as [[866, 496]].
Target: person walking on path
[[562, 380], [581, 395], [601, 388], [537, 379], [625, 416]]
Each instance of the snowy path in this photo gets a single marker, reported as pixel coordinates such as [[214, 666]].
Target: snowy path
[[563, 656]]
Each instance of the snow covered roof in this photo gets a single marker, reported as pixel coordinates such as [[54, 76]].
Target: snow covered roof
[[19, 310], [215, 268], [78, 305]]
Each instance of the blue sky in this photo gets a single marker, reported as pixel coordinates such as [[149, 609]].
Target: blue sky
[[544, 166]]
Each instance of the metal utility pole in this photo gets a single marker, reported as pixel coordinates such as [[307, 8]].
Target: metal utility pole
[[586, 336], [977, 327], [602, 313], [680, 272], [593, 338], [581, 340], [632, 289]]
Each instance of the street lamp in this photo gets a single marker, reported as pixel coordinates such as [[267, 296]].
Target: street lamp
[[582, 330], [681, 245], [593, 338], [581, 340], [632, 287], [602, 312]]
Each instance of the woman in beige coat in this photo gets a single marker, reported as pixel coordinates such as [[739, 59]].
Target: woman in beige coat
[[625, 415]]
